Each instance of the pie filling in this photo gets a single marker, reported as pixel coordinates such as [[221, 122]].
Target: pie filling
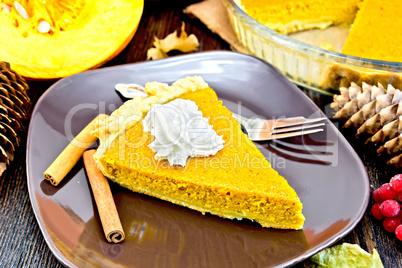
[[277, 213]]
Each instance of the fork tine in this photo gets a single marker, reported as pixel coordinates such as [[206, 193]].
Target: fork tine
[[289, 122], [288, 134], [264, 129], [292, 129]]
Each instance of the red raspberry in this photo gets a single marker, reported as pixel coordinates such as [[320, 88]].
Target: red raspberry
[[398, 232], [387, 192], [376, 196], [390, 208], [376, 212], [396, 182], [390, 224]]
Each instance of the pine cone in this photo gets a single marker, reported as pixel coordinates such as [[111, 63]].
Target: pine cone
[[374, 111], [14, 112]]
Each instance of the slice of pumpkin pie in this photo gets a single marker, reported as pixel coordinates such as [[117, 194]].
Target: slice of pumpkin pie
[[180, 144]]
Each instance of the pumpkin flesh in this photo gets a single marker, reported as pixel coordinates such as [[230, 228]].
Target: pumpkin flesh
[[83, 34]]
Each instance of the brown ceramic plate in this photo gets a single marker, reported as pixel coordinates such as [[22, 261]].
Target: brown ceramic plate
[[323, 169]]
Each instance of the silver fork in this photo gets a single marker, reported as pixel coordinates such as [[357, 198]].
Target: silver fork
[[258, 129]]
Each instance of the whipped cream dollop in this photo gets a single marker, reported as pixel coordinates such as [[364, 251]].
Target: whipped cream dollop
[[180, 131]]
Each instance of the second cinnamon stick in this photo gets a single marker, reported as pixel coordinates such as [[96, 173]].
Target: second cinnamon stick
[[104, 200]]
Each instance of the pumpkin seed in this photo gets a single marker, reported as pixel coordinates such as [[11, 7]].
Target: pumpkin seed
[[6, 8], [21, 10], [43, 27]]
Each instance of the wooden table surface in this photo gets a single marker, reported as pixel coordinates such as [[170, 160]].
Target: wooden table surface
[[22, 244]]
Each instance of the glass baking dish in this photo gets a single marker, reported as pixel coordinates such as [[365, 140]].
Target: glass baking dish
[[307, 64]]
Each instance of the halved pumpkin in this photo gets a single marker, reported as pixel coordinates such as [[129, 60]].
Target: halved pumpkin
[[46, 39]]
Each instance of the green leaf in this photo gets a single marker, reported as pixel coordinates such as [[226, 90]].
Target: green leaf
[[345, 255]]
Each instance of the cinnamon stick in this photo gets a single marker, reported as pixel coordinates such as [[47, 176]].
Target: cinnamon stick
[[63, 164], [104, 200]]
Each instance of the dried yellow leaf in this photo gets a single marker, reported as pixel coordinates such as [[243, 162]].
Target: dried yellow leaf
[[184, 43], [156, 53]]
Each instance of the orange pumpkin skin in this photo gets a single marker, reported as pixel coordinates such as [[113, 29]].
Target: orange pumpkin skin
[[84, 34]]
